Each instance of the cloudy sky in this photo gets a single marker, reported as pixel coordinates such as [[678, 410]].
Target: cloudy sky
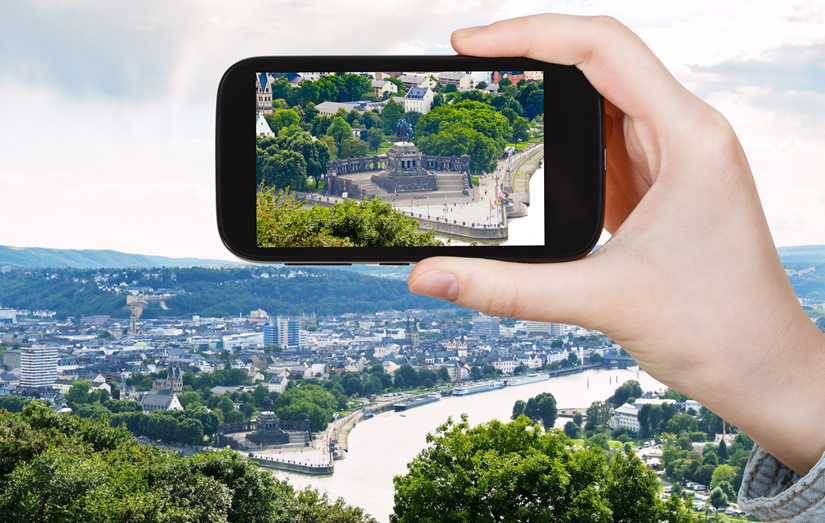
[[107, 107]]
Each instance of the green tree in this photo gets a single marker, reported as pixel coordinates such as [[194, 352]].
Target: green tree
[[718, 498], [78, 393], [374, 138], [340, 130], [631, 489], [500, 472], [542, 408], [520, 130], [282, 223], [722, 473], [353, 148], [571, 430], [518, 409], [390, 115]]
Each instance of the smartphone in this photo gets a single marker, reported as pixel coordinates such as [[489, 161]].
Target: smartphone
[[392, 159]]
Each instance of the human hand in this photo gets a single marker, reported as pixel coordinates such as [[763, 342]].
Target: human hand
[[690, 283]]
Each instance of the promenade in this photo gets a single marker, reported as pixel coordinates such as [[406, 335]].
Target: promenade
[[479, 215]]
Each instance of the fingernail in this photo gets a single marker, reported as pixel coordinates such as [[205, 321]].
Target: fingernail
[[441, 285], [468, 30]]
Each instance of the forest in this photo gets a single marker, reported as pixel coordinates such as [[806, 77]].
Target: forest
[[207, 292]]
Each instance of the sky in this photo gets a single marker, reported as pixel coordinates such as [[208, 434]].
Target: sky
[[107, 107]]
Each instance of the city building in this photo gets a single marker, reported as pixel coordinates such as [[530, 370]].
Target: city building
[[262, 127], [486, 326], [173, 380], [8, 316], [626, 416], [233, 342], [285, 332], [38, 366], [11, 359], [418, 99], [417, 80], [382, 87], [264, 93], [461, 80], [164, 400]]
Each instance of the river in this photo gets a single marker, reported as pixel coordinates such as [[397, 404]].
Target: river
[[529, 230], [381, 447]]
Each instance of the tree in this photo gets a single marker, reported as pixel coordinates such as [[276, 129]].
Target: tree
[[281, 222], [631, 489], [542, 408], [66, 468], [571, 430], [718, 498], [374, 138], [722, 473], [390, 115], [520, 130], [518, 409], [598, 414], [353, 148], [578, 418], [500, 472], [78, 393], [339, 131]]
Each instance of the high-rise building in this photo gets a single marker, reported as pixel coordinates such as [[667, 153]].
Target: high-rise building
[[38, 366], [285, 332], [486, 326]]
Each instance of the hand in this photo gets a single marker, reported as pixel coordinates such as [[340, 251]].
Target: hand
[[690, 283]]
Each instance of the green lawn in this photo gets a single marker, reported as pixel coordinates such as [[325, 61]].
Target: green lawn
[[381, 150]]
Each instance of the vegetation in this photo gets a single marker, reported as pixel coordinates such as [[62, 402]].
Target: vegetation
[[66, 468], [540, 408], [283, 223], [208, 292], [515, 472]]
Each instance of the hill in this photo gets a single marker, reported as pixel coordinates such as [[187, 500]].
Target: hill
[[39, 257], [182, 292]]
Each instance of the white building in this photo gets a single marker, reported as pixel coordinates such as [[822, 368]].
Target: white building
[[239, 341], [461, 80], [278, 384], [418, 99], [506, 366], [38, 366], [154, 401], [382, 86], [626, 416], [262, 127]]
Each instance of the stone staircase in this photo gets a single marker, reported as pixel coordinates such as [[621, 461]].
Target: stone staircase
[[451, 185]]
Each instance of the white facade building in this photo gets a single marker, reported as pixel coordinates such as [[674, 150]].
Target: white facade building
[[38, 366], [419, 99]]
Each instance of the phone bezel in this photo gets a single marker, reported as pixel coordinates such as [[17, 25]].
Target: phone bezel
[[574, 161]]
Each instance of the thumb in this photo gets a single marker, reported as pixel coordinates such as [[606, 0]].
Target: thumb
[[558, 292]]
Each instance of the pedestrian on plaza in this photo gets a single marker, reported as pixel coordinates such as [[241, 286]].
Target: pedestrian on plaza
[[690, 283]]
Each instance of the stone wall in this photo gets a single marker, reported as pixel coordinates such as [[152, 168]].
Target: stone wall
[[391, 184]]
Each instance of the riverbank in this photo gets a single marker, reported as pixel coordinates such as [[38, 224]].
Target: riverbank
[[382, 446]]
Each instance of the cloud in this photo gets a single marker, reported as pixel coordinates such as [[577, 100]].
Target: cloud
[[785, 68]]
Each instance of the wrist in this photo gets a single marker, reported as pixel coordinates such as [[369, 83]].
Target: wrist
[[776, 395]]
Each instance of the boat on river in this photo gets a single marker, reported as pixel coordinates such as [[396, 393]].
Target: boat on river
[[416, 402], [530, 378], [475, 389]]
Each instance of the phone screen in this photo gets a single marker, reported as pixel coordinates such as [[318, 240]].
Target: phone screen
[[399, 159]]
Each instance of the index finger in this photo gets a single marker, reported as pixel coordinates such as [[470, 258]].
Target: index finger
[[611, 56]]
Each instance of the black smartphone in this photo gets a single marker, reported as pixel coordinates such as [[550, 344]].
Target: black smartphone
[[392, 159]]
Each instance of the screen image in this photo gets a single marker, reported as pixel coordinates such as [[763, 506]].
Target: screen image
[[400, 159]]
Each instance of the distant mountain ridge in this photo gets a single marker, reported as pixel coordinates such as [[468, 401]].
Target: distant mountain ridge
[[41, 258]]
